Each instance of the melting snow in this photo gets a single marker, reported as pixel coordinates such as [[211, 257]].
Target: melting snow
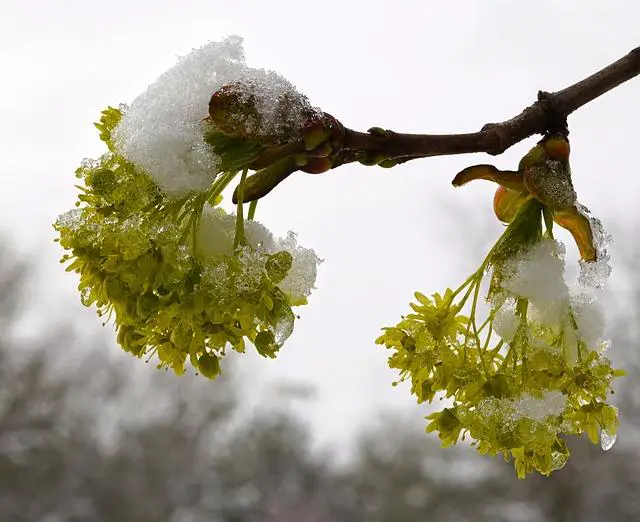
[[606, 440], [216, 234], [538, 274], [161, 131], [595, 274]]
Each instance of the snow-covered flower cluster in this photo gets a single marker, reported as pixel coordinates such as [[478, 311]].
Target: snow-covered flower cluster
[[533, 370], [181, 277]]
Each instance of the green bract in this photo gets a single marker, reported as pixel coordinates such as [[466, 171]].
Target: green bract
[[135, 251], [517, 393]]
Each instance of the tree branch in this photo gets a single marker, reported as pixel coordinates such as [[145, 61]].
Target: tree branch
[[548, 114]]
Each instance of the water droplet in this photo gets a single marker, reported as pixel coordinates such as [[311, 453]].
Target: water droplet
[[558, 460], [88, 163], [604, 347], [606, 440]]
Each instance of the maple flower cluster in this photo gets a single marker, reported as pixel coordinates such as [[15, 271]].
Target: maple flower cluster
[[533, 368], [181, 277]]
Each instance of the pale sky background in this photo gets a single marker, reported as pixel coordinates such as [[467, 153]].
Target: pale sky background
[[412, 66]]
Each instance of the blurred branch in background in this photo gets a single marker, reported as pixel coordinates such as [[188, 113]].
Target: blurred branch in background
[[179, 453]]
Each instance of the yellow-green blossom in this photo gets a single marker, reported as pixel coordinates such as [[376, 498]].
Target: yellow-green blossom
[[135, 251], [520, 379]]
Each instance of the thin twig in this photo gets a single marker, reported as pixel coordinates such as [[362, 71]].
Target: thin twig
[[547, 114], [387, 148]]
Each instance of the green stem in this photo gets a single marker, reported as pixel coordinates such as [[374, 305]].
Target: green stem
[[483, 363], [488, 338], [495, 352], [219, 185], [463, 285], [474, 305], [488, 321], [476, 333], [240, 239], [471, 288], [580, 343], [521, 309]]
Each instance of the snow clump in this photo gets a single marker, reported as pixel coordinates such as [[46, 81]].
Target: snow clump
[[216, 235], [161, 131]]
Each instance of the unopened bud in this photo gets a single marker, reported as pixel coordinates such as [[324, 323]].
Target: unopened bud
[[506, 203], [317, 165]]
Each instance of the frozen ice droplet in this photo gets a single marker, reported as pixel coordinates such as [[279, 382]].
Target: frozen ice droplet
[[595, 273], [284, 327], [606, 440], [558, 460]]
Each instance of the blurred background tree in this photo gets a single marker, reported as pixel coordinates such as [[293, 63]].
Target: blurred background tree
[[97, 441]]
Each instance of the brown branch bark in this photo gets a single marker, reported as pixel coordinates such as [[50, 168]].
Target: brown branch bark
[[547, 114]]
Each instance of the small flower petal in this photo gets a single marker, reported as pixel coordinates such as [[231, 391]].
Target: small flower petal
[[507, 202], [507, 178], [580, 228]]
